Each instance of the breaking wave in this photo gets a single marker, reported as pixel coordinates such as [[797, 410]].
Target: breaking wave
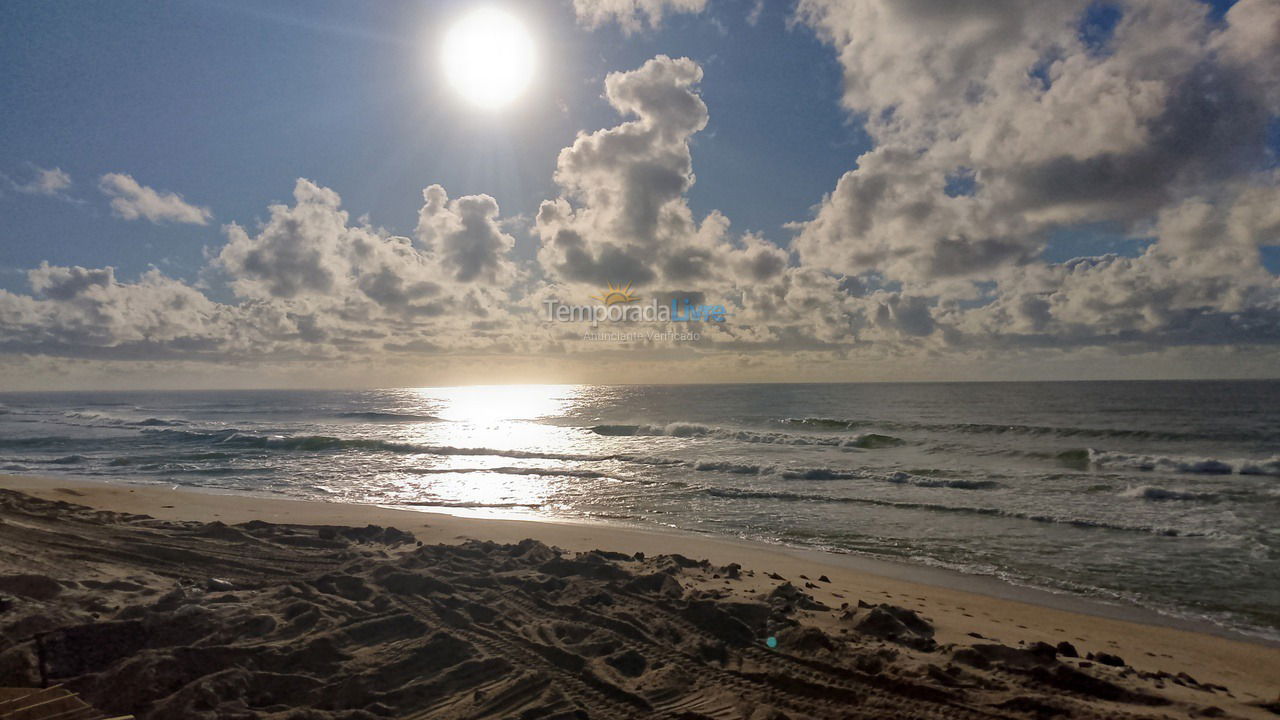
[[729, 467], [898, 478], [1151, 492], [233, 438], [388, 417], [158, 422], [1166, 463], [903, 478], [834, 424], [866, 441], [955, 509], [103, 419], [820, 474]]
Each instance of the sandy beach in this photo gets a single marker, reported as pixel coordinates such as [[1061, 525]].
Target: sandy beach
[[172, 603], [614, 359]]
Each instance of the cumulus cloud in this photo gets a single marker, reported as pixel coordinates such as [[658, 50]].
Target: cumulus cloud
[[309, 285], [624, 216], [82, 312], [995, 125], [311, 254], [302, 250], [631, 15], [131, 200], [467, 236], [1250, 41], [1156, 125], [350, 286], [65, 283]]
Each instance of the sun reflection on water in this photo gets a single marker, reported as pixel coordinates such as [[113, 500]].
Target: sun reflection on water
[[500, 418], [494, 403]]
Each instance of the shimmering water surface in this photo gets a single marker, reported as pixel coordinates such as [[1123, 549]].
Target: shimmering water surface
[[1162, 493]]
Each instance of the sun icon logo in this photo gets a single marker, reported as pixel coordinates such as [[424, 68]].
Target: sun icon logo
[[617, 294]]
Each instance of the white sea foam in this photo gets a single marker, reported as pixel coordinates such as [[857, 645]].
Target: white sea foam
[[861, 441], [1176, 464], [1152, 492]]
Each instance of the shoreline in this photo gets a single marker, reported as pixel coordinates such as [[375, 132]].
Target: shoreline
[[961, 606], [919, 573], [647, 538]]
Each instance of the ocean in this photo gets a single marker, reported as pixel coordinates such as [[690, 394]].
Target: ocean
[[1163, 494]]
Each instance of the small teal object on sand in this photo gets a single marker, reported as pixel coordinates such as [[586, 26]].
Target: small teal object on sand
[[772, 642]]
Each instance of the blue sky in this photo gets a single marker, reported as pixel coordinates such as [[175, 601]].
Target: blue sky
[[228, 102], [912, 190]]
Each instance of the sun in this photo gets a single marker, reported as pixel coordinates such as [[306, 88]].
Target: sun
[[489, 57]]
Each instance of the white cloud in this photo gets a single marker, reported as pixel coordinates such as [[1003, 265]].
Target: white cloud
[[1054, 131], [81, 312], [466, 234], [624, 216], [632, 15], [1159, 131], [131, 201], [50, 182], [354, 287], [301, 251], [310, 286], [1249, 41]]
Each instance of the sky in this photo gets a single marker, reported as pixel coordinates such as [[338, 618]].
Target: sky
[[204, 193]]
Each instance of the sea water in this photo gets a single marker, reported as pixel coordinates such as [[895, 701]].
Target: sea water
[[1164, 494]]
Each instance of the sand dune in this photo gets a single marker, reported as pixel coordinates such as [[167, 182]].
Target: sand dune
[[173, 619]]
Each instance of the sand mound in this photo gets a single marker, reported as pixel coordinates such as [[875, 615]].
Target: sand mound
[[191, 620]]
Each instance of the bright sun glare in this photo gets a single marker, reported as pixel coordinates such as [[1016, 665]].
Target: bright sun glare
[[489, 57]]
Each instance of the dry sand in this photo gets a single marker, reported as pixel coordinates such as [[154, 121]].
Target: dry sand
[[178, 604]]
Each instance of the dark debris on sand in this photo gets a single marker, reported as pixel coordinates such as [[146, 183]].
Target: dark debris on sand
[[206, 620]]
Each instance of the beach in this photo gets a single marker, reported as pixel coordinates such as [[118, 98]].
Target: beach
[[1155, 495], [607, 359], [202, 604]]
